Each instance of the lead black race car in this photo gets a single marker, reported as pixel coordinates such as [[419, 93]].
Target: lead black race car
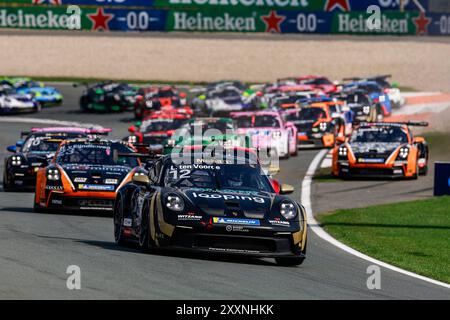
[[224, 204]]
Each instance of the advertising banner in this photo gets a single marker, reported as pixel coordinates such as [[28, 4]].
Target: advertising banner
[[91, 18], [242, 5]]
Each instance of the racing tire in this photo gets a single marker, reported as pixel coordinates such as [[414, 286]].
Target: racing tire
[[423, 171], [138, 112], [145, 242], [38, 209], [117, 218], [296, 149], [6, 185]]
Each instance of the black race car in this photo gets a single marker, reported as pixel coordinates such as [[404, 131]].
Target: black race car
[[35, 150], [108, 97], [20, 169], [211, 200]]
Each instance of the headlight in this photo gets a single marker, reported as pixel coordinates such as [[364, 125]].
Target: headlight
[[16, 161], [116, 97], [171, 143], [149, 104], [366, 109], [343, 151], [323, 126], [276, 134], [174, 202], [132, 139], [403, 154], [288, 210], [53, 174], [139, 174]]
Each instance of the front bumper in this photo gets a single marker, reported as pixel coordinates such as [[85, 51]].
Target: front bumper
[[257, 243], [62, 201], [368, 171], [316, 140]]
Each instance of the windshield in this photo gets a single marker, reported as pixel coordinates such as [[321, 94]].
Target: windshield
[[159, 125], [37, 145], [95, 154], [377, 134], [306, 114], [266, 121], [228, 93], [357, 98], [217, 176]]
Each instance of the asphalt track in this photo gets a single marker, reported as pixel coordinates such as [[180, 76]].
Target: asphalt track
[[36, 249]]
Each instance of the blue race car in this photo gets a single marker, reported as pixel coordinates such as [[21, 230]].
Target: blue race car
[[375, 92], [46, 96]]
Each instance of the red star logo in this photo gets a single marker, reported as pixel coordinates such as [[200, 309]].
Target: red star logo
[[332, 4], [422, 23], [273, 21], [100, 20]]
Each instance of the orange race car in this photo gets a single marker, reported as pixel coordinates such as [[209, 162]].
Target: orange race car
[[319, 124], [382, 150], [85, 175]]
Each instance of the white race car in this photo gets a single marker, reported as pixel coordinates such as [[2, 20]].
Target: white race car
[[11, 102]]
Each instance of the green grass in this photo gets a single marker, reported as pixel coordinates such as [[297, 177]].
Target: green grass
[[411, 235], [439, 142]]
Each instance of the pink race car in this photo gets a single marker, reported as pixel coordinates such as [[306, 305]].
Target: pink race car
[[268, 130]]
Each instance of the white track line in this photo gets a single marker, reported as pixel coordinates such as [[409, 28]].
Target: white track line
[[49, 122], [317, 229]]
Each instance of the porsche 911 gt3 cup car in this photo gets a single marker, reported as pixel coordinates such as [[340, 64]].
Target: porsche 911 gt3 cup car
[[84, 175], [46, 96], [217, 204], [267, 130], [206, 131], [11, 102], [20, 168], [108, 97], [221, 101], [319, 124], [382, 150]]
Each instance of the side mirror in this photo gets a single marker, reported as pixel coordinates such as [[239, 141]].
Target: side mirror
[[183, 95], [419, 139], [286, 189], [132, 129], [19, 143], [141, 179], [12, 149]]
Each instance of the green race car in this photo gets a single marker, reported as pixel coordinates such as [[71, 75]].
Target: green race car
[[205, 132]]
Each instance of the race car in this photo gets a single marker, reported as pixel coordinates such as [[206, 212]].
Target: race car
[[392, 90], [319, 82], [375, 92], [36, 149], [382, 149], [221, 101], [221, 203], [268, 131], [165, 98], [319, 124], [206, 131], [46, 96], [108, 97], [362, 105], [20, 169], [12, 102], [85, 175], [152, 134]]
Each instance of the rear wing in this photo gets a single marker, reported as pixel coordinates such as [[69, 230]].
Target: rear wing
[[100, 132], [408, 123]]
